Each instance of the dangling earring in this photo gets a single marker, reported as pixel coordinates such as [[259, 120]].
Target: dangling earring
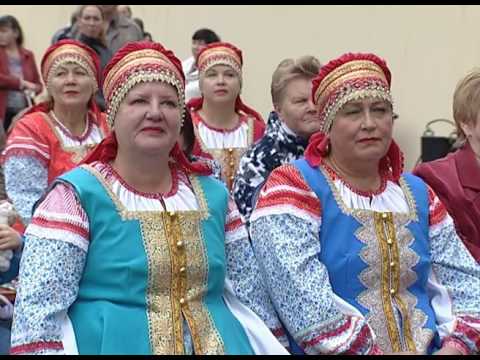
[[182, 120]]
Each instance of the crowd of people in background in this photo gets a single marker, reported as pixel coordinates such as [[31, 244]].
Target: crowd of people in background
[[145, 208]]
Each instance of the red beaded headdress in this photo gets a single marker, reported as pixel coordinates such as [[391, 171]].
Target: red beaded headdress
[[350, 77], [63, 52], [222, 53], [70, 51], [139, 62], [134, 63]]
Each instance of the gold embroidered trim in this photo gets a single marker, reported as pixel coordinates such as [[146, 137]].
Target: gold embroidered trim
[[177, 279], [170, 238], [412, 203], [78, 152], [388, 283], [201, 197], [377, 277], [205, 337], [414, 336], [328, 114], [229, 158], [417, 337], [219, 55], [355, 67], [401, 288], [145, 56], [160, 312], [141, 76], [371, 278]]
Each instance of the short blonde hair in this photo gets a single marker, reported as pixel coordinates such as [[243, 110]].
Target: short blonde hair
[[305, 66], [466, 103]]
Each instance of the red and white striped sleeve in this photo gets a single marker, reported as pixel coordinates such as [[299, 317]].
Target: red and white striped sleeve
[[61, 217], [27, 139], [52, 265], [287, 192]]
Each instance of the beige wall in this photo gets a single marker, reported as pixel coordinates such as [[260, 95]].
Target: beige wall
[[428, 48]]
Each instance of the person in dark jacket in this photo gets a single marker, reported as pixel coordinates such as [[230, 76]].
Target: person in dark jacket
[[91, 32], [288, 129], [120, 30], [67, 32]]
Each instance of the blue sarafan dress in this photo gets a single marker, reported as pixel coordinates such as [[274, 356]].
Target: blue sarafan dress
[[364, 273], [110, 270]]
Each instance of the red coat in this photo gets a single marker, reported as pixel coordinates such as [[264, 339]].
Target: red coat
[[9, 82], [456, 180]]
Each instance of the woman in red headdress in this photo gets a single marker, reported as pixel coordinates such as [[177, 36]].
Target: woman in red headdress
[[54, 136], [224, 126], [139, 250], [359, 257]]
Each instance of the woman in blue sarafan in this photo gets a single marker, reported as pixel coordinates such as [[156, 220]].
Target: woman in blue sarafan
[[139, 251], [359, 258]]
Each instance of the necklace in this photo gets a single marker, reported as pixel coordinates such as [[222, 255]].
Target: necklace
[[65, 128], [343, 176]]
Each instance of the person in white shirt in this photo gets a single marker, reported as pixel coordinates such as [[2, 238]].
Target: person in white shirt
[[200, 38]]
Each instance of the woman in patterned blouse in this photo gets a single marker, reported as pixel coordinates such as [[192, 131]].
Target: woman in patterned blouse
[[54, 136], [358, 257], [139, 251]]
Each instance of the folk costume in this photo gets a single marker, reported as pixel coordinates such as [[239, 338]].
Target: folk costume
[[40, 147], [111, 270], [225, 146], [354, 272]]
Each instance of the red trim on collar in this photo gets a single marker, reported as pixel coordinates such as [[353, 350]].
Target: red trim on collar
[[173, 190], [197, 118], [334, 175]]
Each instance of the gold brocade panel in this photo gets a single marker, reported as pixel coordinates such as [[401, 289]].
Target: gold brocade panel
[[392, 312], [228, 158], [177, 275]]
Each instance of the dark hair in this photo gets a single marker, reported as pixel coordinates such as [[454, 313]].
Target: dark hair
[[128, 8], [12, 22], [147, 36], [79, 12], [207, 35], [188, 134], [139, 22], [76, 14]]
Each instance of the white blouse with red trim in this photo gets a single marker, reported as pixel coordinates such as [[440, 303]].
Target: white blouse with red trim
[[214, 138]]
